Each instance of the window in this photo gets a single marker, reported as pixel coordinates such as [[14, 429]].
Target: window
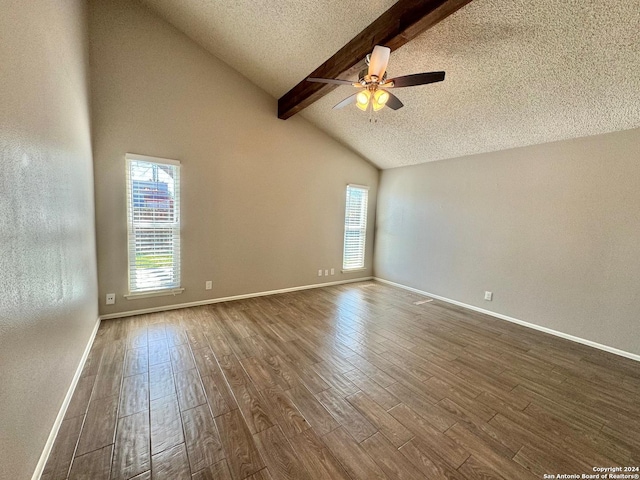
[[355, 227], [153, 214]]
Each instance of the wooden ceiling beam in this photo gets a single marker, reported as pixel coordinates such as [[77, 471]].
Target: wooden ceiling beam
[[401, 23]]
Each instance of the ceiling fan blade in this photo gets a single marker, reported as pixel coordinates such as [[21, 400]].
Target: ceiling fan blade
[[415, 79], [347, 101], [394, 102], [337, 81], [379, 60]]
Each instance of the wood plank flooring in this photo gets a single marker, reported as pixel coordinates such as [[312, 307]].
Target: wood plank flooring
[[345, 382]]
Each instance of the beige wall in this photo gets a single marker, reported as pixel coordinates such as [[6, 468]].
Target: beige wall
[[262, 199], [48, 304], [553, 230]]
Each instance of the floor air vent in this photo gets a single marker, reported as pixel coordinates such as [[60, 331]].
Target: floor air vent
[[422, 302]]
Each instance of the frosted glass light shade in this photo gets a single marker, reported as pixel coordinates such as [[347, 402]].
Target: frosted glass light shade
[[362, 100], [380, 98]]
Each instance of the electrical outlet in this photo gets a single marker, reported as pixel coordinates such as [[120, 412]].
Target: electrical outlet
[[326, 273], [333, 271], [111, 298], [208, 285], [488, 296], [320, 272]]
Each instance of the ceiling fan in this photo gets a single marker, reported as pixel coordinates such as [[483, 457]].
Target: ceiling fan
[[373, 83]]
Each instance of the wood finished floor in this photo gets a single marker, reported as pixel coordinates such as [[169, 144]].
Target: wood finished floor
[[346, 382]]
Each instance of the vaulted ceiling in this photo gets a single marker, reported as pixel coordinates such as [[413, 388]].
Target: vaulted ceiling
[[518, 72]]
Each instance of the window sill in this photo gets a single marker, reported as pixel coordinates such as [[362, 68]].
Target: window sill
[[353, 270], [155, 293]]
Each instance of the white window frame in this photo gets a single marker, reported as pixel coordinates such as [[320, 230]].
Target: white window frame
[[361, 227], [175, 288]]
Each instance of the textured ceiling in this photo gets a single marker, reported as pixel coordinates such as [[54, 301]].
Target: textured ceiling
[[275, 43], [518, 72]]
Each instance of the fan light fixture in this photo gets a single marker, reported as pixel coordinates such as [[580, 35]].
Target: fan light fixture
[[374, 83], [378, 100]]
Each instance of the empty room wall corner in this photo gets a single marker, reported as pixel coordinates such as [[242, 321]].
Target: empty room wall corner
[[46, 451]]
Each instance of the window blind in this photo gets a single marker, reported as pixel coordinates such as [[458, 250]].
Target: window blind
[[153, 217], [355, 227]]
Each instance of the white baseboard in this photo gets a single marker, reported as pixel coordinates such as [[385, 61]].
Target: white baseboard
[[63, 408], [566, 336], [228, 299]]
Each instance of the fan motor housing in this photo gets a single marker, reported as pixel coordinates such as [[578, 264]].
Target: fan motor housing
[[364, 79]]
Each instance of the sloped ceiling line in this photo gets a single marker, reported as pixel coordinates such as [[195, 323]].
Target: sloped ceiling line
[[518, 72]]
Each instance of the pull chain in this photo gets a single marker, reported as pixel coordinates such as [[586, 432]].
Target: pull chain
[[371, 117]]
